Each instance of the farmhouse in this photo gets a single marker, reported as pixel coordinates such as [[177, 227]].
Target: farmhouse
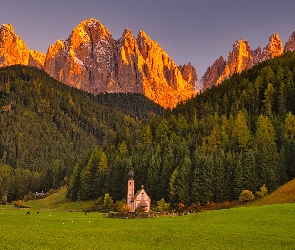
[[140, 199]]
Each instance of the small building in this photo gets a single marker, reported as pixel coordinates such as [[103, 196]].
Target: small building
[[140, 199]]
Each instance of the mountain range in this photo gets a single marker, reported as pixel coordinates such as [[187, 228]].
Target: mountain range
[[90, 59], [242, 58]]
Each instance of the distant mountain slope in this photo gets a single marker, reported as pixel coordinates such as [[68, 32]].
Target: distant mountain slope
[[135, 105]]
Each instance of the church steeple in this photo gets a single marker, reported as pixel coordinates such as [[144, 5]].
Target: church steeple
[[130, 192], [131, 174]]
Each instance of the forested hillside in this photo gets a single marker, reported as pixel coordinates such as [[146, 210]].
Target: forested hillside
[[45, 126], [133, 104], [238, 135]]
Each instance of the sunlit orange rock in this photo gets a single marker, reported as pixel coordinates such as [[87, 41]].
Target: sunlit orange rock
[[91, 60], [242, 58], [55, 59], [273, 48], [36, 59], [238, 60], [84, 60], [163, 81], [12, 48]]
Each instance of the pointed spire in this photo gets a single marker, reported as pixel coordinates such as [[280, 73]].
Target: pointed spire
[[7, 27], [131, 175]]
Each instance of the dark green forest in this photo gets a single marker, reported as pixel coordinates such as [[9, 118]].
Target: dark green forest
[[235, 136], [47, 126]]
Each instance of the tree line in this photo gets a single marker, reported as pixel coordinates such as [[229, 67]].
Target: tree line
[[238, 135]]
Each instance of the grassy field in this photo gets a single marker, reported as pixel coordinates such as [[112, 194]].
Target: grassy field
[[58, 202], [256, 227]]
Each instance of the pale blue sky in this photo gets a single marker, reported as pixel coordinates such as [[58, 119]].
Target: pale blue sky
[[198, 31]]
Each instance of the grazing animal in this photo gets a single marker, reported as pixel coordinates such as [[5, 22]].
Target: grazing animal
[[28, 213], [85, 213], [38, 213], [49, 214]]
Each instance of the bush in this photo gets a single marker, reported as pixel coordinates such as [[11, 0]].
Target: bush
[[262, 191], [163, 206], [246, 196], [125, 208], [18, 203], [51, 191], [121, 204]]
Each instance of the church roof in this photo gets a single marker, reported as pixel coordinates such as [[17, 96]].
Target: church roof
[[140, 191], [137, 193], [131, 174]]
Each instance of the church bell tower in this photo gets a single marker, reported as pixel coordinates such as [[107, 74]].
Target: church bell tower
[[130, 192]]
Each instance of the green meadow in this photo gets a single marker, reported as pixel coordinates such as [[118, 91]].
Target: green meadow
[[254, 227]]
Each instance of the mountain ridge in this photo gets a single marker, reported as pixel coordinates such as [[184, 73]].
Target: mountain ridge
[[92, 60], [242, 57]]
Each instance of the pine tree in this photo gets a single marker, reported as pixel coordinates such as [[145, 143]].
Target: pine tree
[[267, 154], [182, 182]]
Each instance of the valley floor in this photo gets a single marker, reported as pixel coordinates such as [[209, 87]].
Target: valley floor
[[255, 227]]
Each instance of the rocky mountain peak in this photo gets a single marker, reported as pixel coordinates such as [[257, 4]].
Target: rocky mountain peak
[[90, 59], [243, 58], [87, 31], [142, 35], [127, 33], [127, 46], [13, 50], [290, 44], [7, 28], [127, 38], [213, 73], [256, 55], [238, 60], [55, 58], [189, 74], [85, 59], [273, 48]]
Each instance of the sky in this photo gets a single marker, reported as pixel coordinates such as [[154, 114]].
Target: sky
[[196, 31]]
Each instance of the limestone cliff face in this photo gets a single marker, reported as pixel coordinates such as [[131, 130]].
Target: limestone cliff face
[[290, 44], [189, 73], [129, 64], [163, 82], [84, 60], [256, 56], [55, 59], [36, 59], [91, 60], [273, 48], [238, 60], [12, 49], [213, 73]]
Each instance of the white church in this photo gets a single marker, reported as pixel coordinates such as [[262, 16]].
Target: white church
[[140, 199]]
